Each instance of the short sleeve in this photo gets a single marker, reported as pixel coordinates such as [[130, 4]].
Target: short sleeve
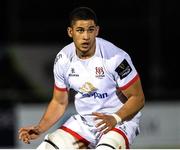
[[58, 70], [125, 73]]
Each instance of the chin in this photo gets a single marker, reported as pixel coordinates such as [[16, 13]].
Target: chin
[[84, 50]]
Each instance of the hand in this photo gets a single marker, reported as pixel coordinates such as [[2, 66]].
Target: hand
[[107, 122], [29, 133]]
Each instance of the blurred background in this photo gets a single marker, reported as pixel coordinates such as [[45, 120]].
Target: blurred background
[[32, 33]]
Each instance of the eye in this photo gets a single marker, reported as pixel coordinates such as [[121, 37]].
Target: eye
[[91, 30], [80, 30]]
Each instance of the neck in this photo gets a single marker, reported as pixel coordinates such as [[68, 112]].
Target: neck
[[85, 54]]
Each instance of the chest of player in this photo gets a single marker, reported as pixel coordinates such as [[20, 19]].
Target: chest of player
[[88, 75]]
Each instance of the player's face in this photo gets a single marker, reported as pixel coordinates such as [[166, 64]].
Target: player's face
[[84, 33]]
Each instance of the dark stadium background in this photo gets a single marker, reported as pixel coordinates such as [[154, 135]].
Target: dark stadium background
[[146, 29]]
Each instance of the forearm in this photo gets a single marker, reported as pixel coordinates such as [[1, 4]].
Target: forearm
[[132, 106], [53, 113]]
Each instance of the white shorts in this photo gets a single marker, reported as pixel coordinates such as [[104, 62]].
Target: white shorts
[[86, 131]]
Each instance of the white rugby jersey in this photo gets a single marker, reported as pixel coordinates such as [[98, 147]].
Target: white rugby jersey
[[95, 79]]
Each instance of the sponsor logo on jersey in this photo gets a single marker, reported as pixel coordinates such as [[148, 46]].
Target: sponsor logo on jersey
[[88, 90], [73, 73], [96, 95], [99, 72], [124, 69]]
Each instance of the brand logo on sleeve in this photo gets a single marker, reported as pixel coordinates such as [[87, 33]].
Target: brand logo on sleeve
[[124, 69], [57, 58]]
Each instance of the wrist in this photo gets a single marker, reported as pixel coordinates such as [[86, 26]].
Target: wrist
[[38, 129], [117, 118]]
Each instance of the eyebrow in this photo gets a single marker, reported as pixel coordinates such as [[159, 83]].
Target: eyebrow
[[88, 27]]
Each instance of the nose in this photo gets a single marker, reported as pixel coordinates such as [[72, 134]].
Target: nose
[[86, 35]]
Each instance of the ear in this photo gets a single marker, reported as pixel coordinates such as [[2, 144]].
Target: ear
[[69, 30], [97, 30]]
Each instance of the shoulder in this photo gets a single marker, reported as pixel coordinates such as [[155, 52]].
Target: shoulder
[[65, 54], [110, 50], [113, 55]]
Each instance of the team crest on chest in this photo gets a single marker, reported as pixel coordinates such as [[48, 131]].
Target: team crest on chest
[[99, 71]]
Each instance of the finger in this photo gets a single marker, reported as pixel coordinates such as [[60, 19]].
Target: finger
[[101, 123], [80, 144], [109, 128], [97, 114], [27, 129], [22, 129], [106, 130], [100, 129], [28, 136], [26, 140], [97, 118], [22, 133]]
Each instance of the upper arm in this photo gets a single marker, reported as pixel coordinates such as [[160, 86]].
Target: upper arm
[[59, 71], [127, 78], [134, 90], [125, 73], [135, 100], [60, 93], [60, 96]]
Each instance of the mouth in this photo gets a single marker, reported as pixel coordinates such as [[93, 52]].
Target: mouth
[[85, 45]]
